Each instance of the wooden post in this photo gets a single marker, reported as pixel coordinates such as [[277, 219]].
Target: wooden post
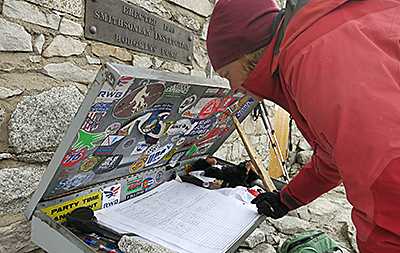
[[262, 172]]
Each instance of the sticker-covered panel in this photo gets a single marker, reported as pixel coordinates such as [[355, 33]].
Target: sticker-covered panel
[[138, 122]]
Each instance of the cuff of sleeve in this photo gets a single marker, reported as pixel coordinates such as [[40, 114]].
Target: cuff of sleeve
[[289, 200]]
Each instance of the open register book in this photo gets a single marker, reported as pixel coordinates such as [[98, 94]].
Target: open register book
[[184, 217]]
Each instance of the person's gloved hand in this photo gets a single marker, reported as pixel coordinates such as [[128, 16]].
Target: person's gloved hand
[[269, 203]]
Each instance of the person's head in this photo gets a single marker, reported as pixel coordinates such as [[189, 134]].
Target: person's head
[[238, 35]]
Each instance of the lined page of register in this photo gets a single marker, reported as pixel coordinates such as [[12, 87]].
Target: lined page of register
[[183, 218]]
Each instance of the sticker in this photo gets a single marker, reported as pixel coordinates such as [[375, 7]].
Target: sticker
[[211, 92], [209, 108], [128, 143], [180, 141], [74, 182], [135, 194], [179, 127], [215, 134], [111, 196], [124, 82], [92, 120], [100, 107], [159, 177], [191, 150], [113, 128], [147, 183], [109, 164], [175, 158], [73, 158], [140, 148], [138, 100], [187, 102], [87, 139], [89, 163], [134, 185], [226, 102], [111, 139], [167, 124], [177, 90], [151, 124], [194, 111], [244, 108], [60, 211], [104, 151], [170, 154], [158, 154], [188, 168], [202, 149], [224, 115], [188, 144], [139, 163], [200, 127]]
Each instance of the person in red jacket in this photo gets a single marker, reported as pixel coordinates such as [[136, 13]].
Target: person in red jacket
[[334, 65]]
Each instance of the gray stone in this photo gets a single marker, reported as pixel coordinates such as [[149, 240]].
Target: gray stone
[[349, 231], [93, 60], [153, 6], [73, 7], [303, 145], [139, 61], [201, 7], [17, 186], [321, 206], [175, 67], [266, 229], [201, 60], [2, 115], [15, 233], [69, 27], [158, 63], [30, 13], [39, 42], [6, 93], [261, 248], [14, 37], [69, 72], [64, 46], [40, 121], [290, 225], [303, 157], [188, 22], [272, 239], [5, 156], [203, 35], [132, 245], [35, 58], [38, 157], [255, 238]]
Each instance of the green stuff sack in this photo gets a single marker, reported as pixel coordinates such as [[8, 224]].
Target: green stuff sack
[[312, 241]]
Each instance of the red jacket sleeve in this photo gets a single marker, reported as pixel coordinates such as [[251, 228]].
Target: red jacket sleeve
[[314, 179]]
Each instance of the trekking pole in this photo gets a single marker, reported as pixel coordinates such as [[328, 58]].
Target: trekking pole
[[275, 144], [274, 141]]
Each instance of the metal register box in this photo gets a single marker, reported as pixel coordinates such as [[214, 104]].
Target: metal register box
[[134, 130]]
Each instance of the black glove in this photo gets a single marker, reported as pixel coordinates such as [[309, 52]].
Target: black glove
[[269, 203]]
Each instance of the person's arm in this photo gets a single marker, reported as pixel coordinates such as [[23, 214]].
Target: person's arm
[[314, 179]]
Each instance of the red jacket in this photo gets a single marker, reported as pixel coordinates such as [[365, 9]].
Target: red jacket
[[339, 77]]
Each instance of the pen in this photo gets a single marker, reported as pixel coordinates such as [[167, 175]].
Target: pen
[[107, 248]]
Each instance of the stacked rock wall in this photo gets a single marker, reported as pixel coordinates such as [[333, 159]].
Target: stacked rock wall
[[46, 68]]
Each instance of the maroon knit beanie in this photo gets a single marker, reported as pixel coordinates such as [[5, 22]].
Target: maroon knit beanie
[[237, 28]]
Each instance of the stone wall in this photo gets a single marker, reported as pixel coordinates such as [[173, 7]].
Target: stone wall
[[46, 68]]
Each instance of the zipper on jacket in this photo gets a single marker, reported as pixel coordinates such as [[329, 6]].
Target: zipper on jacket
[[302, 241], [315, 156]]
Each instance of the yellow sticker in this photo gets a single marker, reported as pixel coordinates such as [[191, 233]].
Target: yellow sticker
[[59, 212]]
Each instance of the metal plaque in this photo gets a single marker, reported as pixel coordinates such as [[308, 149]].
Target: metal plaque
[[121, 24]]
